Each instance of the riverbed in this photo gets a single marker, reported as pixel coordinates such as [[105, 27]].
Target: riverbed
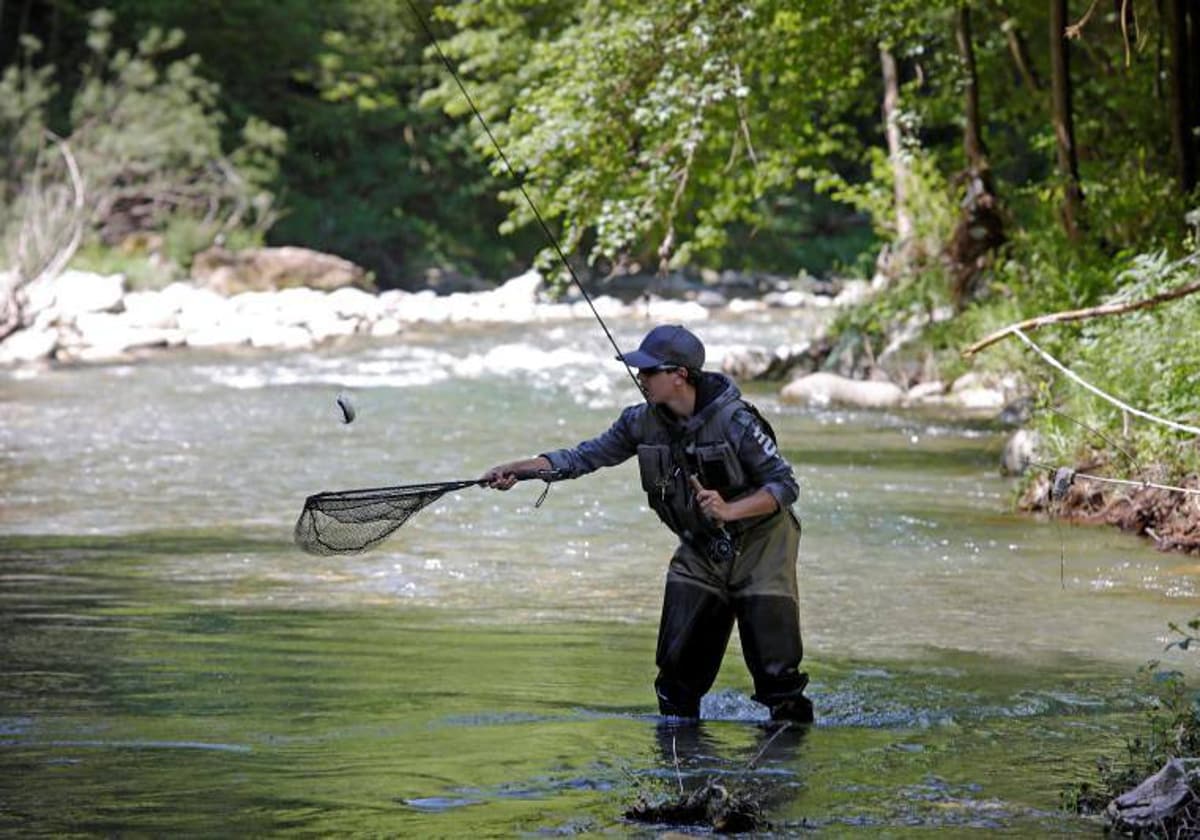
[[170, 662]]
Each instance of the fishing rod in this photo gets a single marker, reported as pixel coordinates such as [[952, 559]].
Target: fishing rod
[[550, 237], [553, 240]]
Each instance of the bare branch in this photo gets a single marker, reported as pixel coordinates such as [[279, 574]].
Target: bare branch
[[64, 254], [1075, 30], [1083, 315]]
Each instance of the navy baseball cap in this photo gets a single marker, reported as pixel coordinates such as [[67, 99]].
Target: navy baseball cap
[[669, 344]]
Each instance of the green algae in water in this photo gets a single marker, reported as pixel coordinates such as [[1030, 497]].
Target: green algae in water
[[133, 703]]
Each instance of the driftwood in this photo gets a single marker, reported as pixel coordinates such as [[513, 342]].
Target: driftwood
[[711, 805], [1082, 315]]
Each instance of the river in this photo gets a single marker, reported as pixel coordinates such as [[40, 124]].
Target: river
[[171, 663]]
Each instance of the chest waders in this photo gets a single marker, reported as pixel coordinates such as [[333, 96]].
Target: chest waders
[[708, 589]]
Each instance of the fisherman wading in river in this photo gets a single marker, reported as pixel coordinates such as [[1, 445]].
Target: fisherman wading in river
[[714, 475]]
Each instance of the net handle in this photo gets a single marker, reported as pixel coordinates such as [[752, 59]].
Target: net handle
[[527, 475], [442, 486]]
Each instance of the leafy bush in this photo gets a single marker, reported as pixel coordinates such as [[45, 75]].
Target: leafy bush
[[145, 131], [1144, 358]]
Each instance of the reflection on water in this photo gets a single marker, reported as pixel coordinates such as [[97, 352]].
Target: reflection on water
[[170, 662]]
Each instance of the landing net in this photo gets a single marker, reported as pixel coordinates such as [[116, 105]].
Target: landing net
[[350, 521]]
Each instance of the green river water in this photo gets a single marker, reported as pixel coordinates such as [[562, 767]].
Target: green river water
[[171, 665]]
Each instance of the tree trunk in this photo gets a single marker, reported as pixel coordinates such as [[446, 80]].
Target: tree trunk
[[54, 48], [980, 228], [1064, 125], [1193, 51], [1192, 69], [23, 20], [1179, 100], [972, 138], [891, 125]]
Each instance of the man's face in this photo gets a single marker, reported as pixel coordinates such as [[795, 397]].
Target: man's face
[[661, 383]]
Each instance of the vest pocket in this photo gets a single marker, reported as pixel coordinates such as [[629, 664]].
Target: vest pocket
[[657, 469], [719, 466]]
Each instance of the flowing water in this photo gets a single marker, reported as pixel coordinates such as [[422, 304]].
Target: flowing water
[[171, 663]]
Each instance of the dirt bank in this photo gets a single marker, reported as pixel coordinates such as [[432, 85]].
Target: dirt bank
[[1170, 519]]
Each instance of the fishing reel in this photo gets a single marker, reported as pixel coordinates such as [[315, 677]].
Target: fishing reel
[[721, 548]]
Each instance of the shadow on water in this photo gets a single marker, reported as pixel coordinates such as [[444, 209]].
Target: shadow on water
[[48, 547]]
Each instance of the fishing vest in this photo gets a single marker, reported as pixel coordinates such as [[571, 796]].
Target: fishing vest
[[666, 461]]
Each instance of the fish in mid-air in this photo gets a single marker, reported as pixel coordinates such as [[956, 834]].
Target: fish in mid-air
[[347, 407]]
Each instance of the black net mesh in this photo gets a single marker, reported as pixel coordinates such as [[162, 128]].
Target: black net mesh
[[354, 520]]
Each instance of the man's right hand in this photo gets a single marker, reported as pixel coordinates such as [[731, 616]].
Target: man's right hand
[[504, 476], [500, 477]]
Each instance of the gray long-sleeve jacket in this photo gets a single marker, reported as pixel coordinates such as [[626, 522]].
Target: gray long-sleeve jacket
[[723, 443]]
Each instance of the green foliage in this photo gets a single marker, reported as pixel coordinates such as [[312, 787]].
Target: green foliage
[[1145, 358], [656, 131], [24, 95], [739, 133], [145, 131], [142, 271], [801, 230]]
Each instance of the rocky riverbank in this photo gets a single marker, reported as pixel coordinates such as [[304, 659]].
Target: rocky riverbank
[[84, 317], [81, 317]]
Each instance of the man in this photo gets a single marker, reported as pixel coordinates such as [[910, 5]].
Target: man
[[713, 474]]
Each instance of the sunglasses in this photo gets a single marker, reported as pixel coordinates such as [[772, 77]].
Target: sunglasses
[[660, 369]]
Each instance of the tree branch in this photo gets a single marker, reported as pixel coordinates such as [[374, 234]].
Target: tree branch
[[1075, 30], [1083, 315], [67, 252]]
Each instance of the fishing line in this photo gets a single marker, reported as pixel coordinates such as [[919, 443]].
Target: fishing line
[[521, 187], [1065, 476], [1097, 433]]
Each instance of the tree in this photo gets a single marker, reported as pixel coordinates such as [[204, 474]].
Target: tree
[[1064, 119], [141, 151], [895, 145], [651, 132], [980, 228]]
